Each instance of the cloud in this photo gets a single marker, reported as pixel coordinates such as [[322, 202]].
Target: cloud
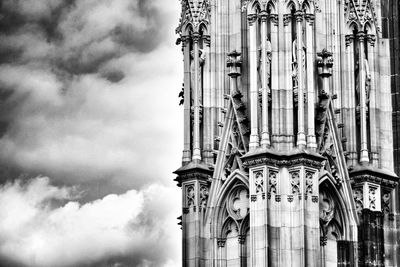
[[94, 100], [131, 229], [88, 97]]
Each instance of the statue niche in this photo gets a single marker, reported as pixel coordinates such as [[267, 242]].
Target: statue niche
[[295, 68], [202, 59]]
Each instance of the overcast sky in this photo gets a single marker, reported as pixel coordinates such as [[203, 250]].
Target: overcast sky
[[90, 132]]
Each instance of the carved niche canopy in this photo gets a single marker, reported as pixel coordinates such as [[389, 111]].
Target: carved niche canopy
[[361, 12], [194, 12]]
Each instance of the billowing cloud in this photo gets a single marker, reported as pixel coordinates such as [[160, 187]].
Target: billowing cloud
[[131, 229], [95, 97], [88, 97]]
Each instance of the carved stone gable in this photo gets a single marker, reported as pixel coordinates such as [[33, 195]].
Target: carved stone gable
[[361, 12]]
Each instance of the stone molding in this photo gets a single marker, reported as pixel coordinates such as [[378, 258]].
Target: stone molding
[[278, 160]]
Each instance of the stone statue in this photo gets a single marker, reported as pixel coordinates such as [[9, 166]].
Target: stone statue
[[295, 67], [259, 63], [202, 58]]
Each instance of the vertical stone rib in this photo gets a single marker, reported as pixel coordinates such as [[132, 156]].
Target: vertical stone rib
[[265, 142], [364, 158], [275, 79], [196, 104], [301, 138], [287, 92], [207, 109], [311, 141], [373, 128], [187, 136], [352, 140], [254, 139]]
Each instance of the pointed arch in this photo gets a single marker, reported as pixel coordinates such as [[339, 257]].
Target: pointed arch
[[203, 28], [271, 7], [308, 7], [236, 180], [254, 7], [327, 184], [292, 5], [369, 28]]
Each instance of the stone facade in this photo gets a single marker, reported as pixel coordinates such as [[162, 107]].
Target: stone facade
[[288, 142]]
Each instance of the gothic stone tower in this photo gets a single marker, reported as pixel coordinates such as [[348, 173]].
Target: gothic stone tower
[[288, 140]]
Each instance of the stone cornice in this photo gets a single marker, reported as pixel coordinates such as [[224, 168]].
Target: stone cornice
[[375, 176], [193, 171], [272, 158]]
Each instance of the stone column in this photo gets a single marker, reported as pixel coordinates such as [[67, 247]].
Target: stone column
[[208, 155], [254, 139], [265, 141], [301, 137], [350, 109], [286, 96], [275, 79], [187, 105], [364, 158], [311, 141], [371, 92], [196, 100]]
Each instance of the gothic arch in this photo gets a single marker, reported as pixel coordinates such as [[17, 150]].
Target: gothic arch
[[369, 28], [231, 223], [254, 8], [308, 7], [236, 180], [291, 6], [327, 182], [203, 28], [187, 29], [271, 7]]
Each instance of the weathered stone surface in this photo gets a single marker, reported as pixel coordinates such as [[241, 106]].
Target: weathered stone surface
[[291, 143]]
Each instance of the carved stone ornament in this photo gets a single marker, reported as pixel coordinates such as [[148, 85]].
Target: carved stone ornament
[[326, 208], [242, 239], [272, 182], [309, 182], [221, 242], [386, 203], [239, 203], [194, 12], [361, 12], [259, 182], [358, 199], [372, 197], [295, 182], [190, 195], [203, 196]]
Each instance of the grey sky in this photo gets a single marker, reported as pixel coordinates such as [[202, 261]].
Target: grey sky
[[90, 132]]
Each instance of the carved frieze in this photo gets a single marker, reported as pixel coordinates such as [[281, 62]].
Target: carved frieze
[[190, 196], [203, 196], [309, 182], [386, 203], [259, 182], [372, 197], [317, 163], [272, 183], [295, 182], [358, 199]]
